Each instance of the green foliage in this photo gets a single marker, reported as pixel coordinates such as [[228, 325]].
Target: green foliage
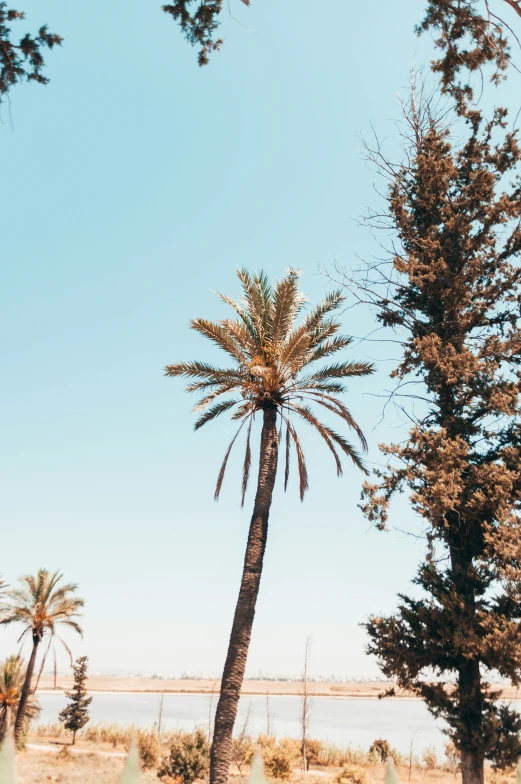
[[76, 714], [188, 758]]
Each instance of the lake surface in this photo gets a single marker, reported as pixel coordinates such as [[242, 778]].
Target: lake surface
[[340, 720]]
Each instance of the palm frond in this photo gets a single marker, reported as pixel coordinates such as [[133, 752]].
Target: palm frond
[[348, 450], [247, 463], [328, 347], [288, 450], [243, 410], [343, 370], [243, 315], [297, 344], [287, 302], [198, 386], [330, 387], [205, 401], [257, 294], [306, 414], [219, 335], [215, 411], [301, 462], [338, 408], [222, 471], [200, 370], [330, 303], [242, 335]]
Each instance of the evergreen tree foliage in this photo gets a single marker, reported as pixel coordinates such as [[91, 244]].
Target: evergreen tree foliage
[[22, 61], [471, 35], [451, 291], [76, 714]]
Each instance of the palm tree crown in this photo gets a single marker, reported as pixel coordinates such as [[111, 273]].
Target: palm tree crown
[[12, 675], [42, 603], [272, 355]]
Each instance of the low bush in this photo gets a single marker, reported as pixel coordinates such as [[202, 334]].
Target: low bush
[[149, 749], [313, 751], [351, 774], [381, 750], [452, 758], [243, 750], [430, 758], [188, 758], [278, 762]]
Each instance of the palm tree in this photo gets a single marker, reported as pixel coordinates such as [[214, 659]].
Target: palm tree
[[12, 676], [41, 604], [271, 375]]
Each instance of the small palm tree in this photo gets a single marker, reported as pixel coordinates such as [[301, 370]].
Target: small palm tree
[[40, 605], [271, 375], [12, 676]]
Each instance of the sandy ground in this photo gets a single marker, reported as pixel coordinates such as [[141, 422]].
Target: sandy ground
[[36, 766], [103, 683]]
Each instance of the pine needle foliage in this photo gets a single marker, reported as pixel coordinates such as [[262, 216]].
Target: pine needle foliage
[[471, 34], [12, 675], [75, 715], [22, 61], [272, 356], [452, 291]]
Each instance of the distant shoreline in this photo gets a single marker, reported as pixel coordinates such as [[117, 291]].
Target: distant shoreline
[[105, 684]]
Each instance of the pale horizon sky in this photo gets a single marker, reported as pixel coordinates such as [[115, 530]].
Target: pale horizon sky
[[137, 183]]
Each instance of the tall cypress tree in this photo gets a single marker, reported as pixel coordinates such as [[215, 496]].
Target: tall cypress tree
[[451, 290], [76, 714]]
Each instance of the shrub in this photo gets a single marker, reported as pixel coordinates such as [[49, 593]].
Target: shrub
[[313, 751], [381, 749], [243, 750], [188, 758], [278, 762], [351, 774], [430, 758], [148, 745], [452, 757]]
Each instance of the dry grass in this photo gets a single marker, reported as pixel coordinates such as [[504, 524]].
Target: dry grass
[[46, 768], [98, 758]]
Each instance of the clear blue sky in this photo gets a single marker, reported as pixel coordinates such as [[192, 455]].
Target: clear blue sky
[[133, 185]]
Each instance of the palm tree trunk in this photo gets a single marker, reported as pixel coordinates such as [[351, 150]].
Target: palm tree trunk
[[20, 714], [235, 665]]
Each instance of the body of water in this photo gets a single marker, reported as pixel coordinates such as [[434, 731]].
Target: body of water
[[339, 720]]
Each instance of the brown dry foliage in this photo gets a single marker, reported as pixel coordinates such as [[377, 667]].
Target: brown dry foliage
[[451, 292]]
